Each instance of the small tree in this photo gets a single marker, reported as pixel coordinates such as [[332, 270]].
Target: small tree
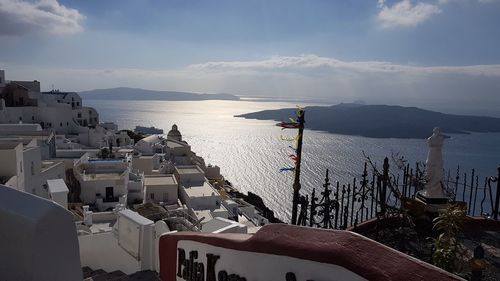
[[104, 153], [448, 250]]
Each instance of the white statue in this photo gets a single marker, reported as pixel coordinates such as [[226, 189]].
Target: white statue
[[434, 166]]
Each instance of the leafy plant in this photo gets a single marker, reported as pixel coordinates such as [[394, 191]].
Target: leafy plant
[[449, 253]]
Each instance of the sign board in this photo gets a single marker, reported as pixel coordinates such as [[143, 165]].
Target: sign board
[[201, 262], [288, 253]]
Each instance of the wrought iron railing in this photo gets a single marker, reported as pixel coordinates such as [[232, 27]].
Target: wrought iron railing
[[339, 206]]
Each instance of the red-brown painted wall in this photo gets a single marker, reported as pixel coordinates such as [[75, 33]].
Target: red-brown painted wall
[[354, 252]]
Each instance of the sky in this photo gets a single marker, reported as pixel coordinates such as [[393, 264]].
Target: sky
[[437, 54]]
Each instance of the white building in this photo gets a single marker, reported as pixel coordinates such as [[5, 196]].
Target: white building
[[151, 145], [135, 193], [200, 196], [102, 182], [131, 245], [212, 172], [22, 166], [61, 112], [185, 175], [38, 171], [146, 163], [99, 136], [161, 189], [11, 166], [58, 192]]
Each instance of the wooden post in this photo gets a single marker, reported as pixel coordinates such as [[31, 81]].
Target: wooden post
[[497, 200], [385, 181], [296, 183]]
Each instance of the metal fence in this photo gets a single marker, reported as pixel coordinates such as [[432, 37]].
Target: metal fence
[[338, 206]]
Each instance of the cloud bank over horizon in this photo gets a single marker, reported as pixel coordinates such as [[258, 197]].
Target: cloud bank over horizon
[[300, 77]]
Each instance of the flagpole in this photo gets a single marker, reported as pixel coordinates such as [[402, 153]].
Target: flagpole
[[296, 183]]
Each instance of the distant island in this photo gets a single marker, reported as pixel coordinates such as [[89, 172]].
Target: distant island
[[381, 121], [124, 93]]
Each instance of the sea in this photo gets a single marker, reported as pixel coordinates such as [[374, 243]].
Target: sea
[[251, 153]]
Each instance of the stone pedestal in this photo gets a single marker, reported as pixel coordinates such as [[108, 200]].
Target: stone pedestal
[[432, 204]]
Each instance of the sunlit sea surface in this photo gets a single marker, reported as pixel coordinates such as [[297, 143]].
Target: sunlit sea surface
[[250, 152]]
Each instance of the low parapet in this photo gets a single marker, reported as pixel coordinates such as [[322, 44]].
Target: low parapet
[[284, 252], [39, 239]]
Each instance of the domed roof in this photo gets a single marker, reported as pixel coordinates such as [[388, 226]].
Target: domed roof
[[174, 134]]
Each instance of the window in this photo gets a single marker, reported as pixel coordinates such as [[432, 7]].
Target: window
[[79, 115], [109, 193], [32, 117], [32, 168], [60, 124], [90, 112], [152, 195], [67, 123], [72, 99], [77, 103], [21, 165]]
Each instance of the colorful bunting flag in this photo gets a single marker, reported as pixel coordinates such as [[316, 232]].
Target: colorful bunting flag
[[294, 123]]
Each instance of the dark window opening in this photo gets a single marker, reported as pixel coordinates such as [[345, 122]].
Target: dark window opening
[[109, 193]]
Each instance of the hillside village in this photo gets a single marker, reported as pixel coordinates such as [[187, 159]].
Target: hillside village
[[54, 147]]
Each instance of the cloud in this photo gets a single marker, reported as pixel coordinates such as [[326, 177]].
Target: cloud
[[18, 17], [479, 1], [314, 62], [405, 14]]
